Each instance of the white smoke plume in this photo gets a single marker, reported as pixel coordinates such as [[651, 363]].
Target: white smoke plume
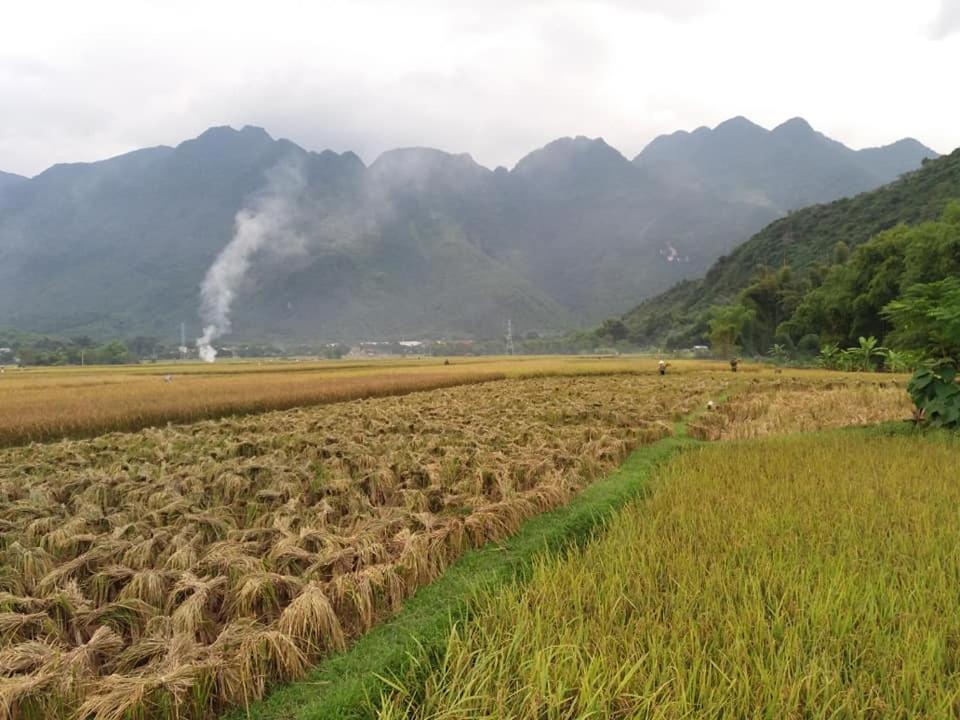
[[268, 223]]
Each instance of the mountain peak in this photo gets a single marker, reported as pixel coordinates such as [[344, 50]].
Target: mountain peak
[[795, 125], [408, 160], [254, 131], [739, 124], [911, 144], [225, 135], [419, 167], [577, 154]]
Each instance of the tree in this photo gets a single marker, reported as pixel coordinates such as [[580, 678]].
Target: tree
[[113, 353], [841, 253], [928, 315], [728, 326], [613, 329]]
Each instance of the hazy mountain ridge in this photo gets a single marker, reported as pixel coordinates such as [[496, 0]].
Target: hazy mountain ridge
[[741, 160], [419, 242], [801, 240]]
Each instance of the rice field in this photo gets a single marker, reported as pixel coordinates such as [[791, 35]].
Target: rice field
[[785, 405], [43, 404], [174, 571], [51, 405], [808, 576]]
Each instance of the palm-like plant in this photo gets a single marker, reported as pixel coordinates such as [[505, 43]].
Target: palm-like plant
[[899, 361], [829, 356], [866, 352], [779, 353]]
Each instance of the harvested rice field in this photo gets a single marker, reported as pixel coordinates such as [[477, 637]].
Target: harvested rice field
[[182, 570], [174, 571], [781, 406], [43, 404]]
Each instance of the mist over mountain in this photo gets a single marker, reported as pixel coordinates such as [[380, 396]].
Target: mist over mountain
[[419, 243]]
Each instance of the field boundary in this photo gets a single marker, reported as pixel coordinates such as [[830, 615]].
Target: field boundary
[[342, 685]]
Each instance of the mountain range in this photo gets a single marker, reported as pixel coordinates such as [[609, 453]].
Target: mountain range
[[418, 243], [805, 240]]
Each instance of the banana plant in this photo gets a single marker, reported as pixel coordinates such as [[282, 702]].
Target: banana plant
[[866, 352], [829, 356]]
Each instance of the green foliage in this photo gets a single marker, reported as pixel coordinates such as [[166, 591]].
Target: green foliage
[[44, 350], [866, 353], [729, 326], [615, 330], [809, 344], [779, 354], [928, 317], [829, 356], [936, 394], [901, 360], [903, 286]]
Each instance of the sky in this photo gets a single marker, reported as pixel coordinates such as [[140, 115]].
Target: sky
[[81, 81]]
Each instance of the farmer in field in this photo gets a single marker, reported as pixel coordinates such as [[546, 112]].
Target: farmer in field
[[662, 367], [733, 363]]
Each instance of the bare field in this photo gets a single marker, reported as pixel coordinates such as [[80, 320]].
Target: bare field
[[173, 571]]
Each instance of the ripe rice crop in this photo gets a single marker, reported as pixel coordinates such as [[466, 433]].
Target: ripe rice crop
[[800, 577], [42, 404], [50, 405], [171, 572], [789, 405]]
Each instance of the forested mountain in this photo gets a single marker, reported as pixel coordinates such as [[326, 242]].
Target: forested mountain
[[420, 242], [793, 254]]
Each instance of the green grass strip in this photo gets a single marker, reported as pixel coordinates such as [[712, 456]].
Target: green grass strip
[[341, 686]]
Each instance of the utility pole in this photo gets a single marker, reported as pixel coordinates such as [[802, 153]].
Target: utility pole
[[183, 341], [510, 348]]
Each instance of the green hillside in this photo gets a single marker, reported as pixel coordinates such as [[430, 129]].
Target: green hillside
[[803, 240]]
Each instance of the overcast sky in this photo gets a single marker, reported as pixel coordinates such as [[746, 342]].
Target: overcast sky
[[495, 78]]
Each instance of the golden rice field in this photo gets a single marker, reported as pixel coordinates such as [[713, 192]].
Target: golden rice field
[[800, 577], [41, 404], [173, 571], [47, 406]]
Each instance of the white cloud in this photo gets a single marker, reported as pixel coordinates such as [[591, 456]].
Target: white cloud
[[81, 81], [947, 21]]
